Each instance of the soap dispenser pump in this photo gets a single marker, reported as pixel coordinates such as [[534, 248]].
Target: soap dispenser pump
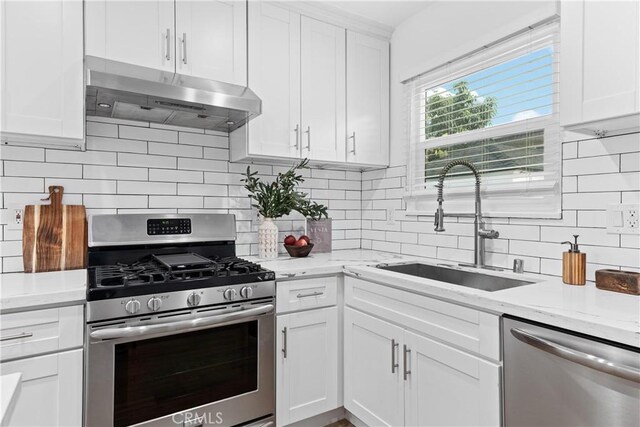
[[574, 264]]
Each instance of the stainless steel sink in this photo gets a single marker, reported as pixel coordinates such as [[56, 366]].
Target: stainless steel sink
[[469, 279]]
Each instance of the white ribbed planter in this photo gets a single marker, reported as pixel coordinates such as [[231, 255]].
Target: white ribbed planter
[[268, 239]]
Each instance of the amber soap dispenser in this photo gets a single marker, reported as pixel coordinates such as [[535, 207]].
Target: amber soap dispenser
[[574, 264]]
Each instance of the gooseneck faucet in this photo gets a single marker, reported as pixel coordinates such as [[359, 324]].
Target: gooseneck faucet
[[480, 233]]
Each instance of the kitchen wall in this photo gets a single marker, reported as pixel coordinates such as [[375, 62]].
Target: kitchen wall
[[140, 167], [596, 172], [443, 31]]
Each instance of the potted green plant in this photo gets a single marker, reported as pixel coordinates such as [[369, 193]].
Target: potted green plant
[[278, 198]]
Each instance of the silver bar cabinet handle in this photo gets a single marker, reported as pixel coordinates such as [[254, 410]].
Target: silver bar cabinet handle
[[168, 38], [308, 132], [576, 356], [394, 363], [184, 48], [284, 342], [405, 360], [16, 336], [297, 131], [353, 137], [312, 294]]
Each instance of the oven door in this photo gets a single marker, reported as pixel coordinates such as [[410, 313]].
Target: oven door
[[215, 369]]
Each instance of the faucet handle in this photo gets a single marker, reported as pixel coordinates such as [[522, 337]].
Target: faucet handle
[[488, 234]]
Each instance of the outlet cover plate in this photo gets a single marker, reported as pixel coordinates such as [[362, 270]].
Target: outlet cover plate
[[623, 219]]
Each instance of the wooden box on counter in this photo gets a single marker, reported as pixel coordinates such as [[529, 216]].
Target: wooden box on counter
[[627, 282]]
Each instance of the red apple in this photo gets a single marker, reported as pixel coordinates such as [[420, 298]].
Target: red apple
[[305, 238], [289, 240], [301, 242]]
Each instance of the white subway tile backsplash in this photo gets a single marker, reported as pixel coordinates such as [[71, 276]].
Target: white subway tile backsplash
[[10, 152], [98, 143], [630, 162], [19, 184], [168, 175], [608, 146], [216, 153], [175, 202], [82, 157], [37, 169], [114, 172], [202, 165], [141, 187], [146, 160], [102, 129], [93, 201], [626, 181], [148, 134], [204, 140], [202, 190], [82, 186], [591, 165], [176, 150]]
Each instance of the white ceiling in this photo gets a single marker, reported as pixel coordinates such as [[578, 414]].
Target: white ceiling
[[386, 12]]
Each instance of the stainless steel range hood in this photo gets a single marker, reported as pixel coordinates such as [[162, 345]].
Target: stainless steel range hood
[[125, 91]]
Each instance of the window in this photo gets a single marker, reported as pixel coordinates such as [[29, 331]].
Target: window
[[497, 108]]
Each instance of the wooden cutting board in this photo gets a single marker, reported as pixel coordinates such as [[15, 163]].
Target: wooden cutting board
[[54, 236]]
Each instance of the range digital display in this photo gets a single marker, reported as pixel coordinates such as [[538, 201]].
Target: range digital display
[[168, 226]]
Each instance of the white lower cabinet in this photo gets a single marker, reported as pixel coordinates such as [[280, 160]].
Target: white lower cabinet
[[51, 390], [447, 386], [395, 377], [373, 385], [307, 364]]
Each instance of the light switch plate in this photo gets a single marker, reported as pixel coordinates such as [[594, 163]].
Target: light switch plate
[[623, 219], [13, 216]]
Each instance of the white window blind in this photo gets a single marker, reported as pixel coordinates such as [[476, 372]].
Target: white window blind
[[497, 108]]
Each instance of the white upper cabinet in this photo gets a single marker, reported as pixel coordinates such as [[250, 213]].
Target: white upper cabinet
[[135, 32], [367, 99], [274, 75], [600, 88], [211, 39], [42, 85], [206, 38], [323, 91]]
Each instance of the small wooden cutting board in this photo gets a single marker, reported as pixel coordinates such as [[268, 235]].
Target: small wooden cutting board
[[54, 236]]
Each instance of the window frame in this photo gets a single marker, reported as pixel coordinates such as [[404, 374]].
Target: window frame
[[421, 199]]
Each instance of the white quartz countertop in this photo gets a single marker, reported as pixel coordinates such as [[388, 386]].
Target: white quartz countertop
[[27, 291], [9, 390], [586, 309]]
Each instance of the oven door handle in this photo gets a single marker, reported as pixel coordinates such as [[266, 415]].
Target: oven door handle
[[183, 325]]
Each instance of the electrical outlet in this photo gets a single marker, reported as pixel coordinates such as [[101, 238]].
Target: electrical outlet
[[391, 216], [623, 219], [14, 217]]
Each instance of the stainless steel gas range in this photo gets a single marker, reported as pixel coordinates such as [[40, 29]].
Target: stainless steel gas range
[[179, 330]]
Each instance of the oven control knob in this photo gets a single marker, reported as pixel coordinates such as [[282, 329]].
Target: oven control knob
[[154, 303], [246, 292], [132, 306], [193, 299], [230, 294]]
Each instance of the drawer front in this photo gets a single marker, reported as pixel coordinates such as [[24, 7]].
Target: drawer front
[[460, 326], [305, 294], [40, 331]]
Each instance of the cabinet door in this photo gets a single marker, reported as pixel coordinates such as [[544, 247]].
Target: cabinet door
[[373, 383], [323, 91], [211, 39], [139, 32], [307, 379], [51, 390], [600, 60], [42, 86], [447, 386], [367, 100], [274, 74]]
